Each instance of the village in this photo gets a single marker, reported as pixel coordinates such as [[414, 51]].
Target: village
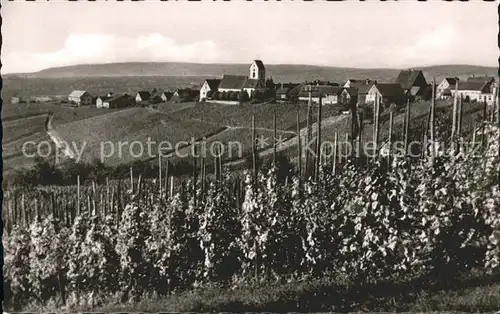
[[255, 87]]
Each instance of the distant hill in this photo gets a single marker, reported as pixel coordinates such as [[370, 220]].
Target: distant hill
[[279, 72]]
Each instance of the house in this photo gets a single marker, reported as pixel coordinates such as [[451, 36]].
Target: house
[[155, 98], [412, 81], [142, 96], [14, 100], [165, 96], [477, 89], [119, 101], [349, 96], [255, 79], [80, 98], [362, 92], [387, 93], [210, 85], [443, 90], [100, 100], [185, 95], [283, 90], [329, 94]]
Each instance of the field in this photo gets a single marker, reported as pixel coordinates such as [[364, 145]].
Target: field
[[241, 116], [128, 126]]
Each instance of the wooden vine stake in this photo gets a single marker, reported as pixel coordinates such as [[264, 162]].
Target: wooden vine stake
[[318, 143], [407, 127], [459, 122], [254, 153], [78, 194], [275, 136], [335, 149], [299, 143], [390, 139], [167, 166], [483, 124], [455, 112], [159, 173], [131, 181], [376, 113], [431, 122], [309, 131]]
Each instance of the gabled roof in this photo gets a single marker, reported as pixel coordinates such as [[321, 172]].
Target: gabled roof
[[406, 78], [77, 93], [363, 89], [483, 79], [452, 80], [116, 97], [260, 64], [232, 82], [351, 91], [213, 83], [471, 85], [144, 94], [390, 89], [250, 83]]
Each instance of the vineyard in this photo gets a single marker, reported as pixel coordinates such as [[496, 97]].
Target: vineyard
[[369, 220]]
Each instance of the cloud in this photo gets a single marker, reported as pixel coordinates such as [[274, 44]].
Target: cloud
[[102, 48]]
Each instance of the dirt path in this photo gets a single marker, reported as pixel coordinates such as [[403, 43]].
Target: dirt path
[[57, 139]]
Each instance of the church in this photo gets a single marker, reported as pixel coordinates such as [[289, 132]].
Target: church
[[235, 83]]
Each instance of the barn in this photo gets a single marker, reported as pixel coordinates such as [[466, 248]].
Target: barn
[[80, 98]]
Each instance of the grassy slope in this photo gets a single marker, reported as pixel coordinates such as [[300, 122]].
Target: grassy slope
[[26, 122], [230, 115], [127, 126], [473, 293]]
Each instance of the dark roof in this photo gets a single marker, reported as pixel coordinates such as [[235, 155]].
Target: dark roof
[[321, 90], [260, 64], [452, 80], [363, 89], [390, 89], [232, 81], [250, 83], [213, 83], [471, 85], [483, 79], [353, 91], [114, 98], [406, 78], [144, 94]]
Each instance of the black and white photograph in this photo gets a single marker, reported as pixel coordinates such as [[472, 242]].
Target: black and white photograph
[[250, 156]]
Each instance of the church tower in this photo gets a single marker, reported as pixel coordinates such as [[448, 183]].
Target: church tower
[[257, 71]]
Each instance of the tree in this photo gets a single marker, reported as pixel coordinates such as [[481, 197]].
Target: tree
[[243, 96], [216, 96], [210, 93], [234, 96], [270, 83], [257, 94]]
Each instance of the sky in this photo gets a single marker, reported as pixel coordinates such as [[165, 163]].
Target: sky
[[370, 34]]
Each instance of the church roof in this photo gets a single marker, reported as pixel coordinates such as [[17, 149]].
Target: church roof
[[232, 82]]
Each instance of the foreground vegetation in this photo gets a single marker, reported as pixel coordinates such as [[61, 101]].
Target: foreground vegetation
[[424, 222]]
